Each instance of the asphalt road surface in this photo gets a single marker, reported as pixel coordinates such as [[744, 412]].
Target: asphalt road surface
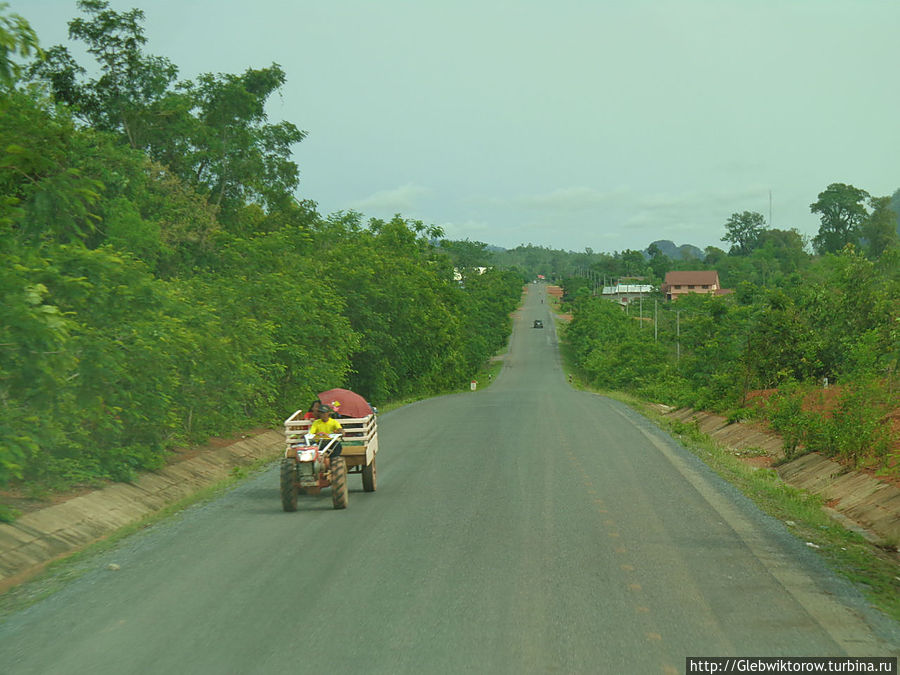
[[523, 528]]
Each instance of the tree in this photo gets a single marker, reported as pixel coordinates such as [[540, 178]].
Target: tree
[[895, 206], [743, 230], [632, 263], [16, 37], [659, 261], [236, 157], [130, 95], [211, 133], [45, 193], [878, 232], [467, 254], [787, 247], [842, 211], [714, 257]]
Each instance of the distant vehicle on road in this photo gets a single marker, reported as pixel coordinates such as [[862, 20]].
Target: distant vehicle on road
[[538, 323]]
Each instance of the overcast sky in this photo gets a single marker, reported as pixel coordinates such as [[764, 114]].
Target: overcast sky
[[567, 123]]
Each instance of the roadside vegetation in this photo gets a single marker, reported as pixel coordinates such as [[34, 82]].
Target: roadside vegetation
[[161, 283], [807, 342]]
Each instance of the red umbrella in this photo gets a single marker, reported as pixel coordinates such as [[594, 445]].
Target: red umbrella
[[346, 403]]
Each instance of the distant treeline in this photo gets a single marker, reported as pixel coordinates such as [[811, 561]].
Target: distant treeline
[[758, 254], [161, 284]]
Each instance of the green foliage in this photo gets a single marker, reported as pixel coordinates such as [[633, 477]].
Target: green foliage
[[615, 351], [557, 265], [744, 231], [33, 362], [144, 305], [786, 415], [856, 430], [16, 38], [878, 232], [419, 330], [467, 255], [211, 133], [231, 154], [842, 211], [46, 193], [838, 318], [660, 263]]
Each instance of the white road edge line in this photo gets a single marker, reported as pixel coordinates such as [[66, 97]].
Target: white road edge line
[[844, 625]]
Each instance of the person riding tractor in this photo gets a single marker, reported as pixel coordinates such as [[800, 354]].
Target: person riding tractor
[[323, 427]]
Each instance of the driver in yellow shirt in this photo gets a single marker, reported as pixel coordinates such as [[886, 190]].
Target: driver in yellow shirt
[[322, 427]]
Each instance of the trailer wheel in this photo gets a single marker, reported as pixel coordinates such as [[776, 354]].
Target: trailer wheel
[[369, 475], [339, 491], [288, 484]]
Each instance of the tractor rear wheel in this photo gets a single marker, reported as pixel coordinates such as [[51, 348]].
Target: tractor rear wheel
[[339, 491], [288, 484], [368, 476]]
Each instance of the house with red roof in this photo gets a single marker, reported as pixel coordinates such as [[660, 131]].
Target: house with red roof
[[681, 282]]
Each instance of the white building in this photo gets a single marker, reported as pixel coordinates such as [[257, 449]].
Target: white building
[[625, 294]]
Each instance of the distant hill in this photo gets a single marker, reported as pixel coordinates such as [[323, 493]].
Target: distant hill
[[683, 252]]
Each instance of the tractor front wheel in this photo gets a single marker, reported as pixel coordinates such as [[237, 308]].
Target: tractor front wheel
[[339, 491], [288, 484]]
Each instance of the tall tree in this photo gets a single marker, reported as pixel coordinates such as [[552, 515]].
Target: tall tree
[[842, 209], [212, 133], [878, 232], [659, 261], [237, 157], [743, 231], [129, 96]]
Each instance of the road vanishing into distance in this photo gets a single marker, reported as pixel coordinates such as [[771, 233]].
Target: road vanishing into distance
[[523, 528]]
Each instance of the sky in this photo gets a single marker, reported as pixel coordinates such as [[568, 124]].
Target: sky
[[572, 124]]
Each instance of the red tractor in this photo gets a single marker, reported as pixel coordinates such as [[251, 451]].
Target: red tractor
[[303, 466]]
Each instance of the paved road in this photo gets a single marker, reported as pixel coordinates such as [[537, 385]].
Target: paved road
[[524, 528]]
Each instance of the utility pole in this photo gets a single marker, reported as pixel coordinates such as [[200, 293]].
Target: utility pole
[[655, 322]]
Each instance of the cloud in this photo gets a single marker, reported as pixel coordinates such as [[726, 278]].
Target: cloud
[[629, 201], [401, 199], [686, 211], [470, 229], [574, 198]]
